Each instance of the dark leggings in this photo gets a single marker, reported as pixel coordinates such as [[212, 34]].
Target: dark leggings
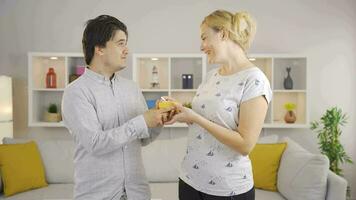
[[186, 192]]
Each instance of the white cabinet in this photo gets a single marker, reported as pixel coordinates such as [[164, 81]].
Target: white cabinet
[[40, 97], [171, 70], [275, 68]]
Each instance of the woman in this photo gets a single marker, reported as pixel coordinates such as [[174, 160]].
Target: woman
[[227, 113]]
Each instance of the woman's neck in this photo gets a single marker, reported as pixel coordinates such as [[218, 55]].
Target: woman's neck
[[237, 61]]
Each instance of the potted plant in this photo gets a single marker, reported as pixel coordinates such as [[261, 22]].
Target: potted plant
[[290, 116], [328, 129], [52, 114], [187, 104]]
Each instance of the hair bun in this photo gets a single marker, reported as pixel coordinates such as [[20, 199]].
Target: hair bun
[[241, 26], [239, 22]]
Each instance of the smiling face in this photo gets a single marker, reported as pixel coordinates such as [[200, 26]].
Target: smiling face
[[212, 44], [115, 52]]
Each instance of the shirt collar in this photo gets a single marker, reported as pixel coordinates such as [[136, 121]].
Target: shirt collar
[[99, 77]]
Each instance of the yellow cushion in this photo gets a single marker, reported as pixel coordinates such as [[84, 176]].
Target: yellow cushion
[[21, 168], [265, 160]]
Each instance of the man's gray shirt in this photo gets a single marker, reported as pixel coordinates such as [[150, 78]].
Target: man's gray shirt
[[106, 120]]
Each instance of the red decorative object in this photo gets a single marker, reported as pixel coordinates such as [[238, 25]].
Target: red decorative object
[[51, 78]]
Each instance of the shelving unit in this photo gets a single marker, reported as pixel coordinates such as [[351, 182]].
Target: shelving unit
[[170, 69], [274, 66], [39, 96]]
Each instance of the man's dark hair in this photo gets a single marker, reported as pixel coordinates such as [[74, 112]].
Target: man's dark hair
[[97, 32]]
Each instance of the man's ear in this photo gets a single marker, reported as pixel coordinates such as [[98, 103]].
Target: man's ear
[[99, 50]]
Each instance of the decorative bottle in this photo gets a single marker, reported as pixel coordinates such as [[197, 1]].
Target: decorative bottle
[[51, 78]]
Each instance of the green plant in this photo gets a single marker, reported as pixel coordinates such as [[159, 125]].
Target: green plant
[[52, 108], [188, 105], [290, 106], [328, 129]]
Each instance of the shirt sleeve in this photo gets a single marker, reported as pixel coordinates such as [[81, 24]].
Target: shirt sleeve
[[80, 117], [257, 85]]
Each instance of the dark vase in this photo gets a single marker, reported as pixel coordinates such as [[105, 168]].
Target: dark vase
[[288, 81]]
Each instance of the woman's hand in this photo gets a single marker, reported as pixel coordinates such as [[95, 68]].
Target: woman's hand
[[183, 114]]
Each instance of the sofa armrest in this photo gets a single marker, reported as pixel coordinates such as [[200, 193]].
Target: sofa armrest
[[336, 187]]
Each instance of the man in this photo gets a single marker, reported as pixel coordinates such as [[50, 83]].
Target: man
[[108, 118]]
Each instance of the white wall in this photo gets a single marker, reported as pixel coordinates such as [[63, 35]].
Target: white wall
[[324, 30]]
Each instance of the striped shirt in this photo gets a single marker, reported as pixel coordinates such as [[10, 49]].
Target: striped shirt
[[106, 120]]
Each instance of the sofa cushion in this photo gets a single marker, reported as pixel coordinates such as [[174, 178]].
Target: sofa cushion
[[302, 175], [164, 191], [162, 159], [21, 168], [169, 191], [52, 192], [57, 156], [265, 160], [268, 139], [268, 195]]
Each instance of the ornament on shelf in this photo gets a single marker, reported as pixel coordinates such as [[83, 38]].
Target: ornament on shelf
[[51, 78], [52, 114], [187, 81], [79, 70], [288, 81], [154, 78], [290, 116]]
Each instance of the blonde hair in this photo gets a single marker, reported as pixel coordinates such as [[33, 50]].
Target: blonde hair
[[241, 27]]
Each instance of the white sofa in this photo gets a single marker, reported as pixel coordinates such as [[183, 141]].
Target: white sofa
[[301, 176]]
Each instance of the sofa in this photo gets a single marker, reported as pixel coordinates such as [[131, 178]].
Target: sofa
[[301, 174]]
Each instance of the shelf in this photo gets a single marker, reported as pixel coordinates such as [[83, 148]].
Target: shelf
[[154, 90], [265, 64], [298, 72], [39, 69], [48, 89], [267, 125], [186, 65], [285, 125], [301, 91], [40, 101], [183, 90], [47, 124], [144, 72], [281, 98], [72, 64], [183, 97], [170, 68]]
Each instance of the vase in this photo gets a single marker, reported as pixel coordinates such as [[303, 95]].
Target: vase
[[288, 81], [290, 117], [52, 117]]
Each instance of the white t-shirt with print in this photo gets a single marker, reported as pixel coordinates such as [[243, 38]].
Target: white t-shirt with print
[[210, 166]]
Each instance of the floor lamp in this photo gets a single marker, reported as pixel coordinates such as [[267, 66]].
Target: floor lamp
[[6, 124]]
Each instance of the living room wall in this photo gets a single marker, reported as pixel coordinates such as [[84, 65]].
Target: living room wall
[[323, 30]]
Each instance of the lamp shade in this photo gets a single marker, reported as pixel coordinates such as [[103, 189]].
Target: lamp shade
[[6, 125]]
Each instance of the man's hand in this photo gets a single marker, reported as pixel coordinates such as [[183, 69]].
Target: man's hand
[[156, 117]]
